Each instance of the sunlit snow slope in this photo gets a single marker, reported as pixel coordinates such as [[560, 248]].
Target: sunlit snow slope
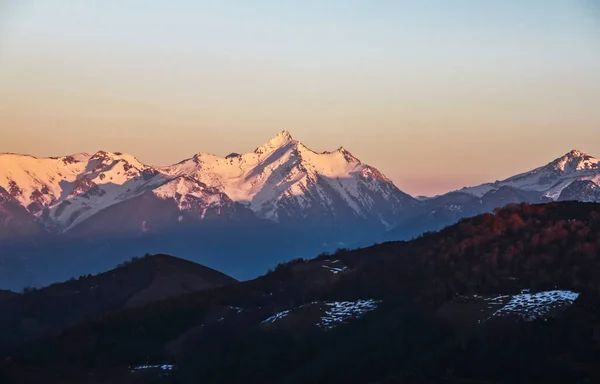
[[549, 180], [281, 180]]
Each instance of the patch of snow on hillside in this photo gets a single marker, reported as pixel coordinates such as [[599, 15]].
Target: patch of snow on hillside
[[237, 309], [163, 367], [455, 208], [340, 312], [335, 270], [531, 306], [275, 317]]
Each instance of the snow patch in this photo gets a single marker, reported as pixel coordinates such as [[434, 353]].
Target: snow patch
[[531, 306], [163, 367], [275, 317], [340, 312], [237, 309], [335, 270]]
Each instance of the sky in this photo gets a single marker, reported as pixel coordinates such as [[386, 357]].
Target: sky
[[436, 94]]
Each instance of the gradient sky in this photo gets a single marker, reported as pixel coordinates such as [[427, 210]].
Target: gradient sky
[[437, 94]]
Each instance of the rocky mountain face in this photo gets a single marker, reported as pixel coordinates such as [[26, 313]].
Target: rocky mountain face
[[282, 181], [15, 221], [581, 190]]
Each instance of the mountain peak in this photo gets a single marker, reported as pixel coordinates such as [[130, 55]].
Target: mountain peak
[[575, 160], [284, 134], [101, 154], [281, 138], [575, 153], [277, 141], [551, 178], [350, 158], [76, 157], [112, 156]]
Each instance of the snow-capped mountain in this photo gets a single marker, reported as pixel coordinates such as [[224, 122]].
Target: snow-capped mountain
[[64, 191], [574, 176], [282, 181], [551, 179]]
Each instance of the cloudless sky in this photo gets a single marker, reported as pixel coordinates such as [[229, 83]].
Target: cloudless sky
[[437, 94]]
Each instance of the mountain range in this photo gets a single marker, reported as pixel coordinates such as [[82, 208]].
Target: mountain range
[[240, 214], [573, 176], [282, 181]]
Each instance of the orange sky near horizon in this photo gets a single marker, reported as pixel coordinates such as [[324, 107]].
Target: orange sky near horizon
[[435, 96]]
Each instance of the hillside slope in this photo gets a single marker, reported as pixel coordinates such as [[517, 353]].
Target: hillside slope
[[39, 312], [378, 314]]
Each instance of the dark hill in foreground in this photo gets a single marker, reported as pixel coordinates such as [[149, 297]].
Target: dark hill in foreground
[[524, 281], [38, 312]]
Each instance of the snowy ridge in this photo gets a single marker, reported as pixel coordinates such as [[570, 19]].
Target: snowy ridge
[[32, 180], [549, 180], [281, 180], [278, 141], [283, 171], [191, 195], [72, 188]]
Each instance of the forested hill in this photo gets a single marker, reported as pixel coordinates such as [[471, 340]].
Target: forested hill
[[519, 246], [40, 312], [499, 298]]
